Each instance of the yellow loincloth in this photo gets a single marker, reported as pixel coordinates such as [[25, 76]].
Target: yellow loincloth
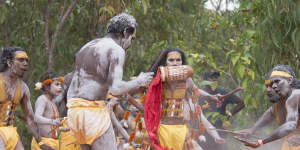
[[172, 136], [10, 137], [87, 120], [67, 140], [48, 141], [292, 141]]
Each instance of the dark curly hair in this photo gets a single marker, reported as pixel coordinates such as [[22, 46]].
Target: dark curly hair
[[285, 68], [8, 53], [119, 23], [47, 75], [163, 54]]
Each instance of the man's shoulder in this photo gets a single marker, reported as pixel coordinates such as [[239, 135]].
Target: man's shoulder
[[102, 45], [295, 92]]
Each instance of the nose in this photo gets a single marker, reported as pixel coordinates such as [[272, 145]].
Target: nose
[[269, 89], [274, 86]]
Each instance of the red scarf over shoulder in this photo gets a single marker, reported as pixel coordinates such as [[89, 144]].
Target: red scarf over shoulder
[[152, 112]]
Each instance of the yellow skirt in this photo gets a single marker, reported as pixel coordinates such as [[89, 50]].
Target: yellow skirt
[[172, 136], [87, 120], [48, 141], [10, 137], [67, 140]]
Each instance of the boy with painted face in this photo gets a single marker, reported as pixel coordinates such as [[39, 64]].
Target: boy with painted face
[[46, 112], [170, 109], [13, 91], [283, 91]]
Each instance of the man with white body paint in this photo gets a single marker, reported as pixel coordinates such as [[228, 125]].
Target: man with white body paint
[[99, 71]]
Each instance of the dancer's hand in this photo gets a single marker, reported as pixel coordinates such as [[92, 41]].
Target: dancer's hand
[[217, 99], [220, 140], [112, 103], [145, 79], [56, 122], [46, 147], [247, 143]]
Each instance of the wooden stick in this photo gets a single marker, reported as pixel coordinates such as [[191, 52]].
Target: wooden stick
[[232, 132], [230, 93], [117, 125], [135, 103]]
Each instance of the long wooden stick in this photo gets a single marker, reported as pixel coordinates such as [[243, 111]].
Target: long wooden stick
[[232, 132], [135, 103], [117, 125], [230, 93]]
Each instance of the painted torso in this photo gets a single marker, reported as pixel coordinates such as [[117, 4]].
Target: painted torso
[[50, 112], [91, 79], [9, 99]]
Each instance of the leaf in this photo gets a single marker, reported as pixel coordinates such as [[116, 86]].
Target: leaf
[[145, 7], [251, 74], [234, 59], [205, 82], [247, 60], [214, 85], [241, 70], [245, 83], [250, 33]]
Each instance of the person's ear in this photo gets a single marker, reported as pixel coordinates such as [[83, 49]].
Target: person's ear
[[128, 31], [9, 63], [290, 80]]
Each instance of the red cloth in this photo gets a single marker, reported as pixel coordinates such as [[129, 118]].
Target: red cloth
[[152, 112]]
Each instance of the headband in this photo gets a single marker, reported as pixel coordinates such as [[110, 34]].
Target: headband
[[281, 73], [40, 85], [176, 55], [21, 55]]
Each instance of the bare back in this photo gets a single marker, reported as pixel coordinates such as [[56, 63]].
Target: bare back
[[95, 64]]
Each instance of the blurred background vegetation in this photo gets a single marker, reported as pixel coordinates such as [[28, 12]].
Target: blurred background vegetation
[[243, 43]]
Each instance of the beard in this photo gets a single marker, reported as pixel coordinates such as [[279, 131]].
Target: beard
[[274, 97]]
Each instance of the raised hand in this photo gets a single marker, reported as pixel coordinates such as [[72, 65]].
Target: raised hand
[[220, 140], [145, 78]]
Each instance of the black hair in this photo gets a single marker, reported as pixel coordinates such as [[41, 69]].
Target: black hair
[[8, 53], [163, 54], [210, 74]]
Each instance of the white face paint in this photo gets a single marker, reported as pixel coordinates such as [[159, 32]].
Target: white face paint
[[174, 59], [127, 40], [55, 88]]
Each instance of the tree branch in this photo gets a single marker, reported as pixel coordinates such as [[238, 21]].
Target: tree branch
[[57, 30], [46, 33]]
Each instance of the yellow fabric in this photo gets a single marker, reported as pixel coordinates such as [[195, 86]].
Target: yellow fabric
[[280, 73], [67, 140], [21, 55], [48, 141], [87, 120], [172, 136], [10, 137], [5, 105], [286, 146], [2, 89]]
